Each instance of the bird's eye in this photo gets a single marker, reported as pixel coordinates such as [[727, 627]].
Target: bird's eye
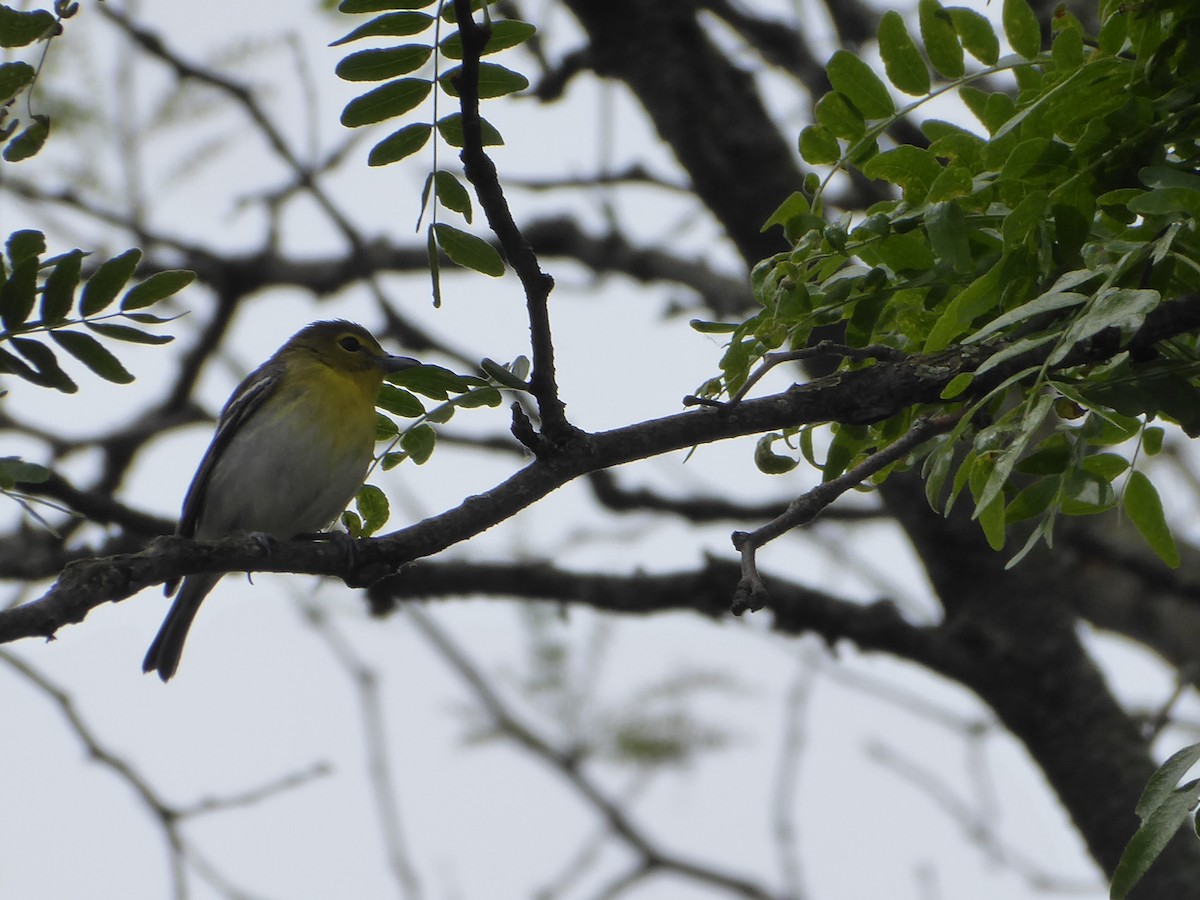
[[351, 343]]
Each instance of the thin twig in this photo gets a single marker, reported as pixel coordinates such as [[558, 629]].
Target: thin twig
[[752, 592], [366, 684], [568, 765], [481, 172]]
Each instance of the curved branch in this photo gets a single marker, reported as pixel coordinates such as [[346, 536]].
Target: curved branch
[[862, 396]]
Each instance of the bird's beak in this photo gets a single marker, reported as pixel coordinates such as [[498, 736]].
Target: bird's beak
[[392, 364]]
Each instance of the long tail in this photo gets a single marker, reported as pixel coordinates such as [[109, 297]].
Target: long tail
[[163, 655]]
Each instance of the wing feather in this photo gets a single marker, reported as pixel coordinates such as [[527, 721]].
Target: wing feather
[[249, 396]]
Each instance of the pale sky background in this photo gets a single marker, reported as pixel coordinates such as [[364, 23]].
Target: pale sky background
[[259, 694]]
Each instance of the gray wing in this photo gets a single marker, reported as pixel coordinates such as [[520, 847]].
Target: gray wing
[[249, 396]]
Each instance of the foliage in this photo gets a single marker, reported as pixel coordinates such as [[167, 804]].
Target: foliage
[[416, 441], [28, 283], [403, 91], [1071, 219], [1162, 809], [24, 137]]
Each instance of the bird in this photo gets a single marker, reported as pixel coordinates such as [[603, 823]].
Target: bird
[[291, 449]]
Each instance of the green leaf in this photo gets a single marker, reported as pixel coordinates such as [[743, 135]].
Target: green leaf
[[1151, 838], [49, 373], [1068, 50], [398, 24], [1032, 501], [505, 33], [14, 78], [992, 521], [858, 81], [1086, 493], [1023, 222], [1123, 308], [468, 250], [17, 29], [418, 443], [1035, 413], [403, 143], [1038, 160], [435, 382], [382, 64], [494, 81], [18, 294], [980, 296], [26, 244], [768, 461], [92, 354], [385, 428], [157, 287], [483, 396], [14, 469], [1107, 465], [399, 402], [910, 167], [902, 61], [1162, 783], [29, 141], [128, 333], [1166, 201], [58, 294], [977, 35], [793, 207], [957, 385], [818, 146], [435, 266], [1168, 176], [451, 130], [837, 114], [1048, 302], [949, 236], [352, 522], [940, 38], [503, 375], [452, 194], [354, 7], [1021, 28], [1152, 440], [1145, 510], [386, 102], [106, 282], [1051, 457], [373, 507]]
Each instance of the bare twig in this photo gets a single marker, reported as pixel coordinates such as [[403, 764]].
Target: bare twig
[[752, 593], [169, 818], [481, 172], [366, 684], [787, 777], [975, 826], [567, 764]]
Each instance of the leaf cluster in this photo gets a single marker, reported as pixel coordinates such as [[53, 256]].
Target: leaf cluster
[[1069, 218], [50, 298], [23, 136], [427, 68], [401, 397]]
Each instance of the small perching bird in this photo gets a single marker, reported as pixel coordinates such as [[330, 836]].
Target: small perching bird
[[291, 449]]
